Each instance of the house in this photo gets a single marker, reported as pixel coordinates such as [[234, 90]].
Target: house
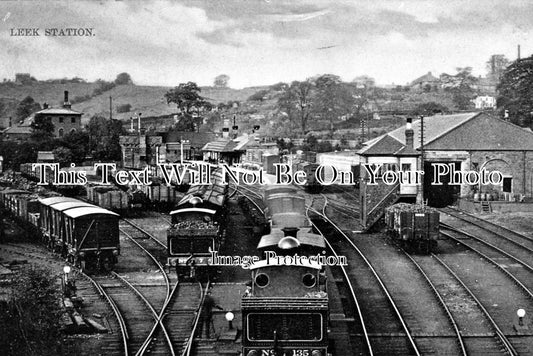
[[424, 81], [64, 119], [483, 102]]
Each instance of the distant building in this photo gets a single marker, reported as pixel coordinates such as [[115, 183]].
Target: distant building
[[427, 79], [485, 102], [64, 119]]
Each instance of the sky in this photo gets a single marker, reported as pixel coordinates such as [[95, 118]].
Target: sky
[[261, 42]]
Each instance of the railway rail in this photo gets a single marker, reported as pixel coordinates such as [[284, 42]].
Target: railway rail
[[120, 346], [387, 331], [500, 291]]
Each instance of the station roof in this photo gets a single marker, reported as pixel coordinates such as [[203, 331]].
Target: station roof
[[455, 133]]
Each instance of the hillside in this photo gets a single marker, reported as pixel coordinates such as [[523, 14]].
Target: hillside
[[146, 99]]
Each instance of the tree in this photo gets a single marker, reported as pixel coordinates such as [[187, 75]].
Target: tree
[[462, 86], [26, 107], [78, 143], [221, 81], [187, 97], [42, 131], [496, 66], [30, 319], [429, 109], [63, 156], [104, 135], [516, 92], [296, 101], [258, 96], [333, 99], [123, 79]]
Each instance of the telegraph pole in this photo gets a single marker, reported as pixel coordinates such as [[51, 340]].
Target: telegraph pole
[[420, 195], [110, 107]]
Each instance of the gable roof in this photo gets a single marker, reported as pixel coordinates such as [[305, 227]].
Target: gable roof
[[384, 145], [434, 127], [465, 132], [484, 133], [425, 79], [57, 111]]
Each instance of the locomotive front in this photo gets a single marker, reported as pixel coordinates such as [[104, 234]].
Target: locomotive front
[[286, 310]]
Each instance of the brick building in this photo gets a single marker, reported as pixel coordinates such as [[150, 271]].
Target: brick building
[[468, 142], [64, 119]]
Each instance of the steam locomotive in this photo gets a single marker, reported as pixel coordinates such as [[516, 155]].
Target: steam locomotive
[[285, 312]]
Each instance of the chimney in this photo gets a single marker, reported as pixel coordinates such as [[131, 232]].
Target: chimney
[[66, 103], [45, 105], [225, 129], [409, 133], [290, 231], [10, 121], [518, 52]]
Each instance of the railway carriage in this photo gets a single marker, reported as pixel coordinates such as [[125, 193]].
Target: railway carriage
[[197, 225], [415, 227]]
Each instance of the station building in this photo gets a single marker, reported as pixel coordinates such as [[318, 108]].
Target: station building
[[463, 142]]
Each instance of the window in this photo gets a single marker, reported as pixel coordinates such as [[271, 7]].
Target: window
[[507, 184], [73, 120], [60, 120], [406, 167], [72, 130], [61, 132]]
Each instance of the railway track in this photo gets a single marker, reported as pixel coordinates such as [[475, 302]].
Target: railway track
[[117, 341], [359, 327], [501, 282], [517, 245], [480, 334], [386, 330]]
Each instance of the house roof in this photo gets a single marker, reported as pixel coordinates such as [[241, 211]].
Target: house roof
[[484, 133], [455, 132], [26, 130], [434, 127], [425, 79], [384, 145], [45, 155], [216, 146], [57, 111], [196, 139]]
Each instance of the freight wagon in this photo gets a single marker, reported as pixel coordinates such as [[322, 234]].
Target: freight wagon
[[84, 234], [415, 227]]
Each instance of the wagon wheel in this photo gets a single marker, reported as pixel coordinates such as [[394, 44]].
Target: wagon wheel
[[108, 265]]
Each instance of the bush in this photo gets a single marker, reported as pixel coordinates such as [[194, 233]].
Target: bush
[[124, 108]]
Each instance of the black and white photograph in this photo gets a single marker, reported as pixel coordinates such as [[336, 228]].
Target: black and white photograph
[[266, 177]]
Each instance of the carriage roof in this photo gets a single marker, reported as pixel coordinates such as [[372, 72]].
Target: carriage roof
[[69, 205], [55, 200], [84, 211]]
